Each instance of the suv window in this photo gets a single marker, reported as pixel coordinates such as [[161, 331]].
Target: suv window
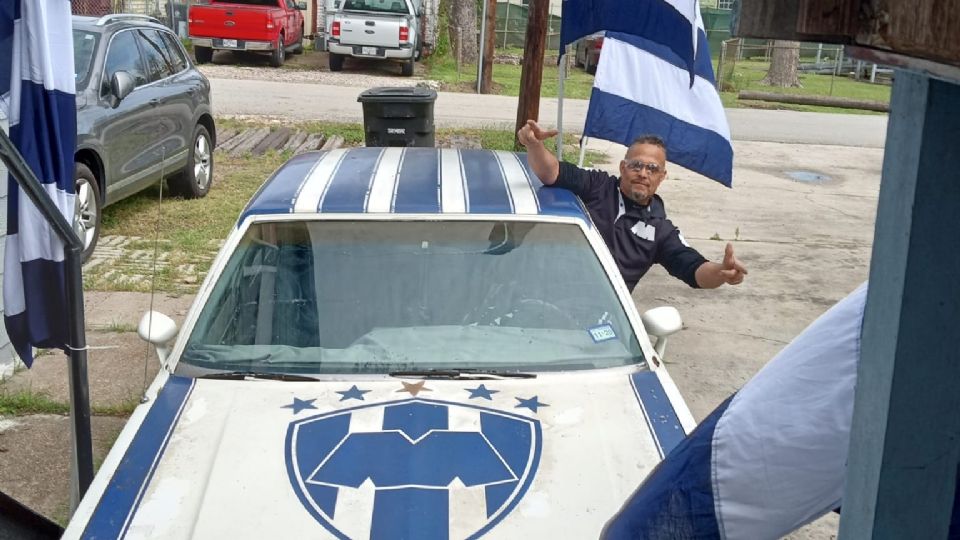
[[159, 65], [177, 58], [123, 56]]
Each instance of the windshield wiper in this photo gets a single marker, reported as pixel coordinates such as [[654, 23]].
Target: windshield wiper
[[464, 374], [239, 375]]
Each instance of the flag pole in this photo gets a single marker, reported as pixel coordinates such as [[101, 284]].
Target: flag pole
[[79, 384], [562, 76]]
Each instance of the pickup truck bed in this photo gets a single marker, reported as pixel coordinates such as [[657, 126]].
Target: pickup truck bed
[[273, 26], [384, 29]]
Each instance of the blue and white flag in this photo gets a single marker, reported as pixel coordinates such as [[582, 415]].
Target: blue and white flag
[[36, 45], [642, 88], [671, 24], [769, 459]]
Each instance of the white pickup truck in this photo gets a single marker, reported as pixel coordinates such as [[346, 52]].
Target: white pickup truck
[[385, 29]]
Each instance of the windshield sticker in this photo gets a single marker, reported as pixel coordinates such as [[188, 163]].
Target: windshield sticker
[[602, 332]]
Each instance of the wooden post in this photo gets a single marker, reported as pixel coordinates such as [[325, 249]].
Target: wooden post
[[902, 470], [486, 75], [531, 72]]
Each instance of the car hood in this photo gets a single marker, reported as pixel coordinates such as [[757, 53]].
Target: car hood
[[554, 455]]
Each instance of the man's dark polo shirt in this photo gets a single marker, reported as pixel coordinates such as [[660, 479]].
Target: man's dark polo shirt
[[638, 236]]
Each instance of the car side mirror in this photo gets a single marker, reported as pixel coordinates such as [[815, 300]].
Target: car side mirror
[[121, 84], [158, 329], [661, 322], [302, 6]]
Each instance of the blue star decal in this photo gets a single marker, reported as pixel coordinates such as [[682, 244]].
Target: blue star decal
[[481, 391], [531, 403], [352, 393], [299, 405]]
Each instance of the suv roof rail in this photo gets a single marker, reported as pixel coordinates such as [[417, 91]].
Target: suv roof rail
[[115, 17]]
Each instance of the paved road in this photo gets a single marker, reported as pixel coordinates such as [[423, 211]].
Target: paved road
[[302, 101]]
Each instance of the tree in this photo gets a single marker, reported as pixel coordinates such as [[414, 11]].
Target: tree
[[486, 77], [463, 30], [784, 62]]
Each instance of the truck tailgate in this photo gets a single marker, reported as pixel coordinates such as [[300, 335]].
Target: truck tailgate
[[232, 21], [359, 28]]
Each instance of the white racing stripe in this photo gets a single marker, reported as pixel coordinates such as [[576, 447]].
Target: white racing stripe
[[521, 191], [380, 196], [316, 183], [453, 197]]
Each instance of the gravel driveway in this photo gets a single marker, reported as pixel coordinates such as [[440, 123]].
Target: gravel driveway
[[312, 67]]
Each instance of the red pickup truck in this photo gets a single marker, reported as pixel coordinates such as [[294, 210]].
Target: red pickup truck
[[274, 26]]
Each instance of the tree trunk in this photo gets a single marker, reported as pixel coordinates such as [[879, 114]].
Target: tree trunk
[[463, 30], [486, 77], [531, 71], [784, 62]]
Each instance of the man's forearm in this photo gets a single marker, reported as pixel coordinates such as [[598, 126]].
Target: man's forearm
[[708, 275], [543, 162]]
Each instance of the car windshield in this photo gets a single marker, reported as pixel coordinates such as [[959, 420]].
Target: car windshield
[[84, 47], [384, 6], [381, 296]]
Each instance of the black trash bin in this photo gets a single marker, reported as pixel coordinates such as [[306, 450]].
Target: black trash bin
[[398, 116]]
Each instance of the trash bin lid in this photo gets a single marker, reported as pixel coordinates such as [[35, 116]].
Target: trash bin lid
[[398, 94]]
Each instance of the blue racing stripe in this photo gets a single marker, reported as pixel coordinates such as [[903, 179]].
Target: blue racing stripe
[[418, 185], [349, 187], [125, 490], [659, 411], [487, 191], [278, 193]]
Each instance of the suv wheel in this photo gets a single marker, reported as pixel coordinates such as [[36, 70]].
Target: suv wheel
[[336, 62], [203, 55], [194, 181], [278, 54], [86, 220]]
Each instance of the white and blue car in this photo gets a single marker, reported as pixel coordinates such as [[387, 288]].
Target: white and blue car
[[397, 343]]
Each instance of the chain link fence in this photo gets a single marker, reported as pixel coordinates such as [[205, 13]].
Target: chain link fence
[[821, 70], [172, 13]]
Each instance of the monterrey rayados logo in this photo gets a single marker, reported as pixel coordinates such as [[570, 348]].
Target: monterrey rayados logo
[[414, 468]]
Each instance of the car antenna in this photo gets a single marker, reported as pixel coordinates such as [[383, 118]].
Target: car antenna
[[153, 272]]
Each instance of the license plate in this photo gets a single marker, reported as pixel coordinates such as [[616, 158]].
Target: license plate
[[229, 43], [371, 51]]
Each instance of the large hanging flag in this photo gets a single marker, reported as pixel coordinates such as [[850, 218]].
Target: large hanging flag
[[36, 44], [672, 24], [771, 458], [642, 88]]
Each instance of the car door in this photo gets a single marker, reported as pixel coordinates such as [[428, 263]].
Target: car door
[[126, 130], [171, 99], [291, 21]]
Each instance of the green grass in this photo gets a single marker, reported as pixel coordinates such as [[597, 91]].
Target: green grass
[[747, 74], [506, 77], [24, 402], [743, 75], [191, 230]]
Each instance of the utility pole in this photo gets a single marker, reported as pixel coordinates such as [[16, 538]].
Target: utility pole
[[486, 75], [531, 73]]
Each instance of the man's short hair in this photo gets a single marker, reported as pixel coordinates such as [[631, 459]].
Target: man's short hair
[[649, 139]]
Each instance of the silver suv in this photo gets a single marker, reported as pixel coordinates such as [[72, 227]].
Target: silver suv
[[143, 114]]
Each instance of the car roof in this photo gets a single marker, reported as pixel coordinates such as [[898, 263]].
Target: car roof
[[411, 181], [115, 21]]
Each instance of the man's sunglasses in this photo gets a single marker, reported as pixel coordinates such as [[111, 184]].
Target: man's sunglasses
[[638, 166]]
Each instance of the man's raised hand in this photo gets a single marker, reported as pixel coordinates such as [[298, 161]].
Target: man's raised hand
[[732, 272], [531, 133]]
